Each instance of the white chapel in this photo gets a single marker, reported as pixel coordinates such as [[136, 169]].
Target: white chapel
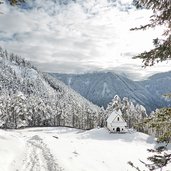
[[116, 123]]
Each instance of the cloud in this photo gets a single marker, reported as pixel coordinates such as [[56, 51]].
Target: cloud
[[78, 36]]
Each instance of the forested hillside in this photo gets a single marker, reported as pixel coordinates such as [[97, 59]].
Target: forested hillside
[[31, 98]]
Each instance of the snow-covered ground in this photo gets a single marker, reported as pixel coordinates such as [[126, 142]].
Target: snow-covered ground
[[56, 149]]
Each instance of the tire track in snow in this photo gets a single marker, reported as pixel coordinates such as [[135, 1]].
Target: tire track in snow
[[38, 157]]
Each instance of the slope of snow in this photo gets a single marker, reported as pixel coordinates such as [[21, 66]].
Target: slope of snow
[[70, 149], [11, 147], [105, 90]]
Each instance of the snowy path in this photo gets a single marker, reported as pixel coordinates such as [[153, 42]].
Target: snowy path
[[59, 149], [37, 157]]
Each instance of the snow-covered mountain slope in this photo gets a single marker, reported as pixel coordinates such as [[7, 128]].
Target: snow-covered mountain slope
[[101, 87], [158, 84], [56, 149], [31, 98]]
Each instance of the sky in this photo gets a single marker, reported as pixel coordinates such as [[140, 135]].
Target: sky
[[80, 36]]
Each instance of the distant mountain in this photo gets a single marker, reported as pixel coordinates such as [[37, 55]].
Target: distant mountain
[[101, 87], [159, 85], [31, 98]]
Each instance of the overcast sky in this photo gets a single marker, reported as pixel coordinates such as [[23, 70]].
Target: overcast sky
[[90, 35]]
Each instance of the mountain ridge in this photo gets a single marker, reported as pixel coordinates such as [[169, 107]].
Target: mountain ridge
[[109, 84]]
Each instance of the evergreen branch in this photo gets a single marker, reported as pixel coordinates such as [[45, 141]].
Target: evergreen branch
[[158, 54], [167, 95], [161, 16], [132, 165]]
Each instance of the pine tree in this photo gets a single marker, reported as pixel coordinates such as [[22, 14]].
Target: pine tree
[[101, 117], [160, 123], [161, 16], [18, 110]]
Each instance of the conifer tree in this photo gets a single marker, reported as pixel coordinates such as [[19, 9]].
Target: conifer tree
[[160, 123], [161, 120], [161, 17]]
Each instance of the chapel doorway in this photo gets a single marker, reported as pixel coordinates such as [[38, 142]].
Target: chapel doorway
[[118, 129]]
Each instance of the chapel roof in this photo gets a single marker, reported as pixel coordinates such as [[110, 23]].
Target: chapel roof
[[114, 114]]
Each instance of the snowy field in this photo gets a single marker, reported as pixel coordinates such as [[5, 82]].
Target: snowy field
[[56, 149]]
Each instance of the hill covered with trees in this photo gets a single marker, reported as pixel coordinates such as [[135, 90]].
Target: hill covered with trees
[[31, 98]]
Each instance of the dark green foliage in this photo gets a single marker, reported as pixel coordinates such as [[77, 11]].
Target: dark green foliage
[[132, 165], [160, 122], [161, 16], [160, 158], [16, 2]]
